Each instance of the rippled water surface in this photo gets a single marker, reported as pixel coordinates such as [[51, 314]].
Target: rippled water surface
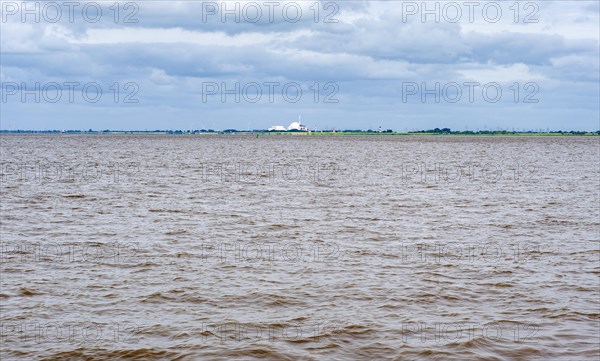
[[299, 247]]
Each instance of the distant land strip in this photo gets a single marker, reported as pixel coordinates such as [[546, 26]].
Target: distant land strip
[[436, 131]]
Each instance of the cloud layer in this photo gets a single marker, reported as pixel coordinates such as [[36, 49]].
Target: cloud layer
[[359, 64]]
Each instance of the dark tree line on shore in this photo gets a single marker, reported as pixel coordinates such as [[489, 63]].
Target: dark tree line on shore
[[449, 131]]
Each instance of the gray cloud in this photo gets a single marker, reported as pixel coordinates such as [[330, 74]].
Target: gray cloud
[[370, 53]]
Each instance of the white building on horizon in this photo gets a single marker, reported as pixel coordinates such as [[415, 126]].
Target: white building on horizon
[[297, 126], [294, 126], [277, 128]]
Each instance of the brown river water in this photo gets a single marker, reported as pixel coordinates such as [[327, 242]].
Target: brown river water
[[221, 247]]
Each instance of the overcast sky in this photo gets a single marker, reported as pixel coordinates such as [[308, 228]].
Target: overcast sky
[[359, 65]]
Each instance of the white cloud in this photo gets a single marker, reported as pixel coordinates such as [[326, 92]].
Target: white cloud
[[500, 73], [178, 35]]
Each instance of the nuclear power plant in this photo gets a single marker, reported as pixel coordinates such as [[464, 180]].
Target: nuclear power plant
[[294, 126]]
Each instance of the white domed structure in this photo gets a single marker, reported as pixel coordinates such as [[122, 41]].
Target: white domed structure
[[297, 126]]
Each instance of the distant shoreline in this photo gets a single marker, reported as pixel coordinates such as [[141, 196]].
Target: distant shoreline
[[260, 133]]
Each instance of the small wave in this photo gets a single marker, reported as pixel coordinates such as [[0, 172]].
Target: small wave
[[103, 354], [28, 292]]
